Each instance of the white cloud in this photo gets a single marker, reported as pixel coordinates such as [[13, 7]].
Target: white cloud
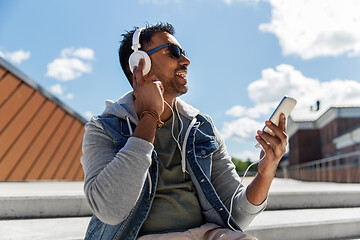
[[66, 69], [312, 29], [69, 96], [242, 129], [71, 64], [267, 91], [16, 57], [236, 111], [57, 89], [285, 80], [84, 53]]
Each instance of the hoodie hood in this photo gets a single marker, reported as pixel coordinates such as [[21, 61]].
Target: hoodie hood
[[125, 108], [122, 108]]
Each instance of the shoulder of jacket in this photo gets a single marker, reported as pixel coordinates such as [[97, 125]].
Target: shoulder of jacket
[[106, 122], [204, 119]]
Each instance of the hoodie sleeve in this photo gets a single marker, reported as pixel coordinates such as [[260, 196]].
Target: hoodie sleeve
[[226, 180], [113, 181]]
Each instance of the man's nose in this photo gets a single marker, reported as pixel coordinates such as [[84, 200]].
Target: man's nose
[[184, 60]]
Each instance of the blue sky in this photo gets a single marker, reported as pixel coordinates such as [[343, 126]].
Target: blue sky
[[245, 54]]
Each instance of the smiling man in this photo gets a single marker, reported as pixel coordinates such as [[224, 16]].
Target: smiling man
[[157, 168]]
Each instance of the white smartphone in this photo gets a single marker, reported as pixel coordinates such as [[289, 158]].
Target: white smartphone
[[285, 106]]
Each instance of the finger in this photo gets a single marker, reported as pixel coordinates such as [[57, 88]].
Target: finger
[[277, 130], [134, 82], [141, 64], [138, 71], [272, 140], [262, 153], [282, 122], [266, 147], [278, 145]]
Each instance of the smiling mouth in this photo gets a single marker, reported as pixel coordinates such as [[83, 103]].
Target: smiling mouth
[[181, 74]]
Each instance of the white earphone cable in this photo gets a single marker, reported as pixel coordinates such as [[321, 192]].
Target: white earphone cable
[[240, 184], [172, 126]]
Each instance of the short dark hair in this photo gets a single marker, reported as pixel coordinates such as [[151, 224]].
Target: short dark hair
[[145, 37]]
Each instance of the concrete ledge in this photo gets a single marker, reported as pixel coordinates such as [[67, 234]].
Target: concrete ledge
[[67, 199], [44, 229], [341, 223], [294, 194], [308, 199], [288, 224], [45, 206], [42, 199]]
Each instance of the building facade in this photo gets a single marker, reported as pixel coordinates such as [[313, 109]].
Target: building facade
[[326, 148], [324, 136]]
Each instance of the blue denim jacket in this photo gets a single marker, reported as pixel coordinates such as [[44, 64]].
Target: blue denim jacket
[[200, 147]]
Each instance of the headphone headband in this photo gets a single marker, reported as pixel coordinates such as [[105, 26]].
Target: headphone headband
[[136, 39]]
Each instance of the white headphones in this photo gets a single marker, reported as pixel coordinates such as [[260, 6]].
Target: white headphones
[[138, 54]]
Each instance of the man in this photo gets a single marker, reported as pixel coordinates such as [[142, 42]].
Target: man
[[156, 168]]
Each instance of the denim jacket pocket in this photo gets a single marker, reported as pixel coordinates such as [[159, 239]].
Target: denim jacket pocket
[[205, 149], [205, 145]]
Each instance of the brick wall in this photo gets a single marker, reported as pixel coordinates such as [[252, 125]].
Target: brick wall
[[304, 146], [334, 129]]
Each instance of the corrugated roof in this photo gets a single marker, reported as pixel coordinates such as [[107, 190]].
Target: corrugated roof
[[16, 72], [40, 137]]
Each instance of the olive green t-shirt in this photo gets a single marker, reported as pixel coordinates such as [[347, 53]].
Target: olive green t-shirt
[[176, 206]]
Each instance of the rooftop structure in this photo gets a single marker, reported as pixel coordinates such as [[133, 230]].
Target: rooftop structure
[[40, 137]]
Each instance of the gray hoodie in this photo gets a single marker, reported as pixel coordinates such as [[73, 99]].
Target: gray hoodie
[[114, 180]]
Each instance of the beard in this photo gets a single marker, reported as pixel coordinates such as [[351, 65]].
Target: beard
[[174, 87]]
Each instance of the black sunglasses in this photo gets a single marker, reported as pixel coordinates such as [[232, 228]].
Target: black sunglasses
[[175, 50]]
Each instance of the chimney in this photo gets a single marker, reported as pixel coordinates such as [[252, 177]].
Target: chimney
[[317, 108]]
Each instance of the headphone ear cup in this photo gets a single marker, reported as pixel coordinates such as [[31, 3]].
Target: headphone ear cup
[[134, 60]]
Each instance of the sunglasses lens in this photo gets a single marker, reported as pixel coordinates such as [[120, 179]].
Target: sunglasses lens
[[175, 51]]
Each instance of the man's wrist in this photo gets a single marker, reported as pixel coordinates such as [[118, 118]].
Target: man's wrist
[[146, 128], [154, 116]]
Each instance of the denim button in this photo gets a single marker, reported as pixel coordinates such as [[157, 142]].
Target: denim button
[[203, 152], [220, 209]]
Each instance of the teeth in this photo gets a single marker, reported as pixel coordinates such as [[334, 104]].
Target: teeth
[[181, 74]]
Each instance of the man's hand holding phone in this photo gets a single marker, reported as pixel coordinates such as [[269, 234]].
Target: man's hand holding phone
[[274, 146], [273, 138]]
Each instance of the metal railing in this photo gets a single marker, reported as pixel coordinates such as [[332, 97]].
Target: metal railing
[[340, 168]]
